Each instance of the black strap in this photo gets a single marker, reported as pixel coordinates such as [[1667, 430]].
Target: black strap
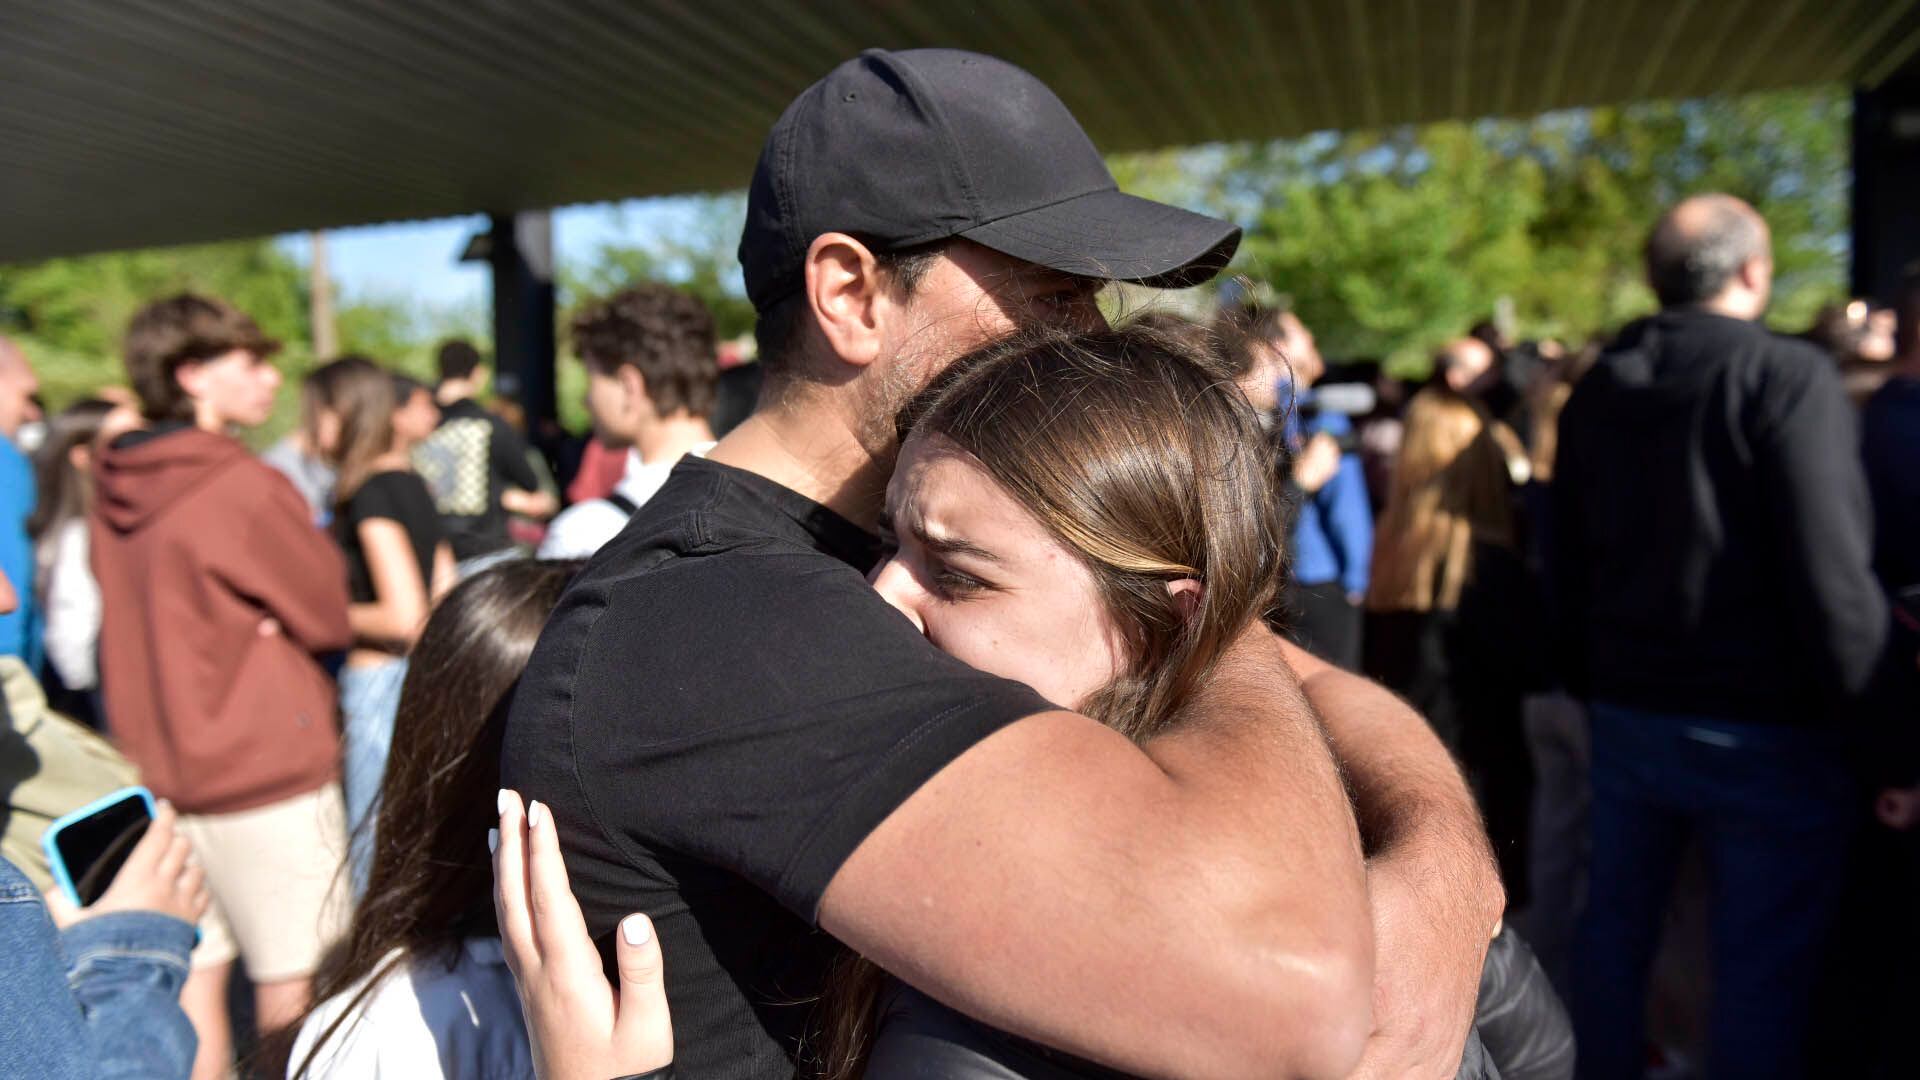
[[664, 1072], [625, 506]]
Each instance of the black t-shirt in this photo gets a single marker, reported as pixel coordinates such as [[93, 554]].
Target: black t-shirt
[[481, 456], [399, 496], [719, 711]]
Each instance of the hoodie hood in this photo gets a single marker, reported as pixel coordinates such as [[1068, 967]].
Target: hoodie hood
[[145, 473]]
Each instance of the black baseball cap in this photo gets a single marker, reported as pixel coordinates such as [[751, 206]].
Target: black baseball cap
[[906, 148]]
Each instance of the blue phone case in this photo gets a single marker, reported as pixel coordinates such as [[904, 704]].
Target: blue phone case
[[47, 840]]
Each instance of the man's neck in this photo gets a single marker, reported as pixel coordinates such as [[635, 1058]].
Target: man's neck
[[208, 419], [1731, 306], [810, 449], [668, 438], [453, 390]]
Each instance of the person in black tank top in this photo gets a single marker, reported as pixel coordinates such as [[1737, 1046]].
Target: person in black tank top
[[398, 560]]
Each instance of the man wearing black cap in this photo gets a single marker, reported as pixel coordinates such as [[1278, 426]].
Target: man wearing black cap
[[737, 736]]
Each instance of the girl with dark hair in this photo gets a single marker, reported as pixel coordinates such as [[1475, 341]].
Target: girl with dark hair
[[63, 575], [418, 988], [398, 561]]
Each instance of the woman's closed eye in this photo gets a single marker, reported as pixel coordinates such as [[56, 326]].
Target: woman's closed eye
[[954, 584]]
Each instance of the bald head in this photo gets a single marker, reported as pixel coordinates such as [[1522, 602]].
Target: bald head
[[1711, 251], [17, 387]]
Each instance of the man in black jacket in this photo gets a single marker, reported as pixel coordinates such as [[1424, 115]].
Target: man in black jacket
[[1720, 615]]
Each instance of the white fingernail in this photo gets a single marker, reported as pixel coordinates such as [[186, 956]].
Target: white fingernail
[[535, 815], [493, 841], [636, 930], [500, 802]]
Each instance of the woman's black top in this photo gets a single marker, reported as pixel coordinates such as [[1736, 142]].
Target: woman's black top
[[1467, 671], [398, 496], [1472, 664]]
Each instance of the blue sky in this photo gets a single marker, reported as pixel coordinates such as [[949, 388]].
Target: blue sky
[[416, 260]]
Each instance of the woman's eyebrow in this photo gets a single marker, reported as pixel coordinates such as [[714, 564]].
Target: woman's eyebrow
[[950, 545]]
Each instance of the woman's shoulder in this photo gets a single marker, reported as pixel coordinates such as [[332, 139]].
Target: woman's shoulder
[[396, 481], [386, 493], [64, 546], [428, 1016]]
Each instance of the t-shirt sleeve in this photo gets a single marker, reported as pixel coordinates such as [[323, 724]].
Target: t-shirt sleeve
[[382, 496], [510, 457], [763, 713]]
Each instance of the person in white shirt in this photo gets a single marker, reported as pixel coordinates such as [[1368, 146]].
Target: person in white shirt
[[418, 987], [651, 370], [63, 575]]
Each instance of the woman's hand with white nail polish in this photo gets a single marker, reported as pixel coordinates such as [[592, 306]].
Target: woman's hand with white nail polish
[[580, 1029]]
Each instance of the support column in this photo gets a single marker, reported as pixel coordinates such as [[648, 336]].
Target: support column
[[1886, 186], [519, 249]]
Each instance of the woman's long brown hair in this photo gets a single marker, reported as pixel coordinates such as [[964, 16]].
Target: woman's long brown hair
[[432, 878], [360, 393], [1451, 488], [1135, 449], [65, 492]]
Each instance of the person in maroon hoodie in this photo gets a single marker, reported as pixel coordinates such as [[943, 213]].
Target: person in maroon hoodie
[[218, 594]]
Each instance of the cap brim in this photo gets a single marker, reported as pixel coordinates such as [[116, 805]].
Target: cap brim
[[1116, 237]]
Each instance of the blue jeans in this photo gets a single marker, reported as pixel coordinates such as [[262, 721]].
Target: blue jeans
[[99, 999], [1774, 809], [369, 698]]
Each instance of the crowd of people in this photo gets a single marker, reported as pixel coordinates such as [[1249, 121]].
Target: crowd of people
[[1007, 694]]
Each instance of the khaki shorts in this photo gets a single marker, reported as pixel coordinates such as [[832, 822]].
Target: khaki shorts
[[279, 886]]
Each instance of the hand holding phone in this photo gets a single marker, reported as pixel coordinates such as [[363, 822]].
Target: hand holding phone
[[123, 854]]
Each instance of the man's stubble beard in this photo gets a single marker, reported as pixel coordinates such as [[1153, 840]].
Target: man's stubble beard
[[909, 373]]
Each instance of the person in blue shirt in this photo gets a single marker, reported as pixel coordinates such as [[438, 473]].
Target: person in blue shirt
[[19, 635], [1332, 537]]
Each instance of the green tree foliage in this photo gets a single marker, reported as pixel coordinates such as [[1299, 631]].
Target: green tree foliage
[[1389, 243], [698, 255], [70, 312]]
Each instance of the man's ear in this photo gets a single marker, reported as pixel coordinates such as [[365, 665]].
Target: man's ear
[[188, 376], [843, 288], [633, 388], [1187, 593]]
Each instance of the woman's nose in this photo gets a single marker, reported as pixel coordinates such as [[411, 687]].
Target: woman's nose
[[895, 584]]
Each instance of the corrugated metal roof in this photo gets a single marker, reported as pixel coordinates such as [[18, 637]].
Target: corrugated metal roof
[[157, 121]]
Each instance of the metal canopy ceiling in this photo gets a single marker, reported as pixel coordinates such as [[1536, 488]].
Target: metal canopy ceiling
[[147, 122]]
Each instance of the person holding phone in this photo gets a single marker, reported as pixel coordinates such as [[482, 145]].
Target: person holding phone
[[94, 991]]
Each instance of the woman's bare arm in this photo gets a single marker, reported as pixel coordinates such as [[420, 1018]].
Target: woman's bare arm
[[400, 603]]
